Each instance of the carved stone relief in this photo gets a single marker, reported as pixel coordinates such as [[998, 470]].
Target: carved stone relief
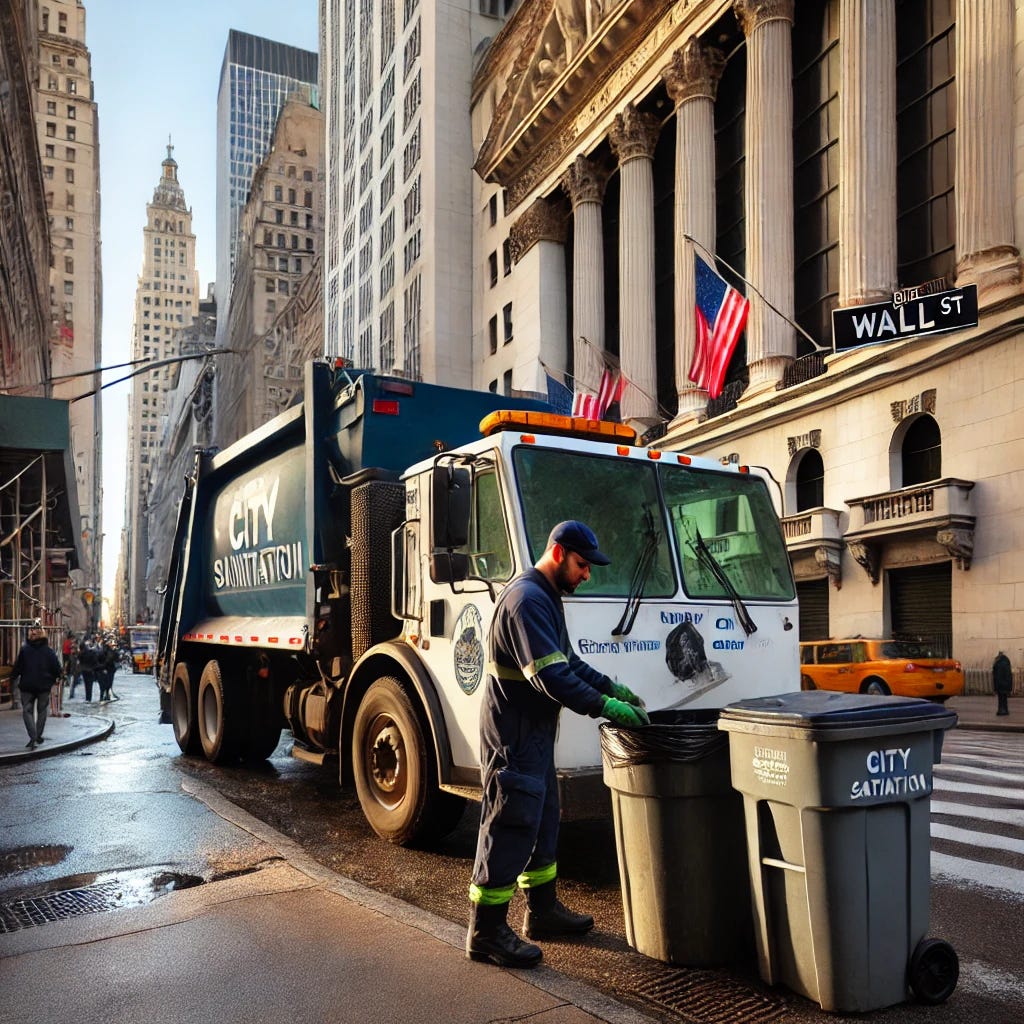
[[584, 181], [866, 556], [812, 439], [694, 72], [634, 134], [960, 545], [751, 14], [924, 402], [544, 220]]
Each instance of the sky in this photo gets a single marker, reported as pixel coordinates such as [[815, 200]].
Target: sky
[[155, 72]]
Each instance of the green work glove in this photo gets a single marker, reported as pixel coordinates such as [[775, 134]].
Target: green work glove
[[620, 692], [621, 713]]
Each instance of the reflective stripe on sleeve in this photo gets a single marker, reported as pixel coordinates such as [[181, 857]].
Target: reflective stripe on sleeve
[[538, 666]]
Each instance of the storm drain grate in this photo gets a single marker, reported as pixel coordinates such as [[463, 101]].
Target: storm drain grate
[[706, 998], [56, 906]]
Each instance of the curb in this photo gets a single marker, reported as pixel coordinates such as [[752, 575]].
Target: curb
[[49, 750]]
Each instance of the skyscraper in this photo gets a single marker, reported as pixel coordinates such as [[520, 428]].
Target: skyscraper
[[68, 130], [256, 78], [166, 301], [398, 245]]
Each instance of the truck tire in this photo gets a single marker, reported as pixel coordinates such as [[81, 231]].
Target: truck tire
[[220, 721], [395, 774], [183, 710], [264, 731]]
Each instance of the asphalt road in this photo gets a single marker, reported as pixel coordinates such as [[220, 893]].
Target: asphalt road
[[124, 814]]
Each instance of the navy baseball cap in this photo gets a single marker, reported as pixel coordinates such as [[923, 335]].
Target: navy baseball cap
[[578, 537]]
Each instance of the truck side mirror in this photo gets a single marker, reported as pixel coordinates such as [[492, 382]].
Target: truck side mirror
[[450, 505]]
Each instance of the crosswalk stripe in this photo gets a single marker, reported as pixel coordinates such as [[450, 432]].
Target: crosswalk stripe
[[942, 771], [994, 876], [944, 786], [984, 839], [1006, 815]]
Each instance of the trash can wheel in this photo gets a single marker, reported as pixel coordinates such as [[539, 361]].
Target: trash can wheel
[[934, 970]]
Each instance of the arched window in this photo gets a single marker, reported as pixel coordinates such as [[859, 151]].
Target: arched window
[[810, 481], [922, 452]]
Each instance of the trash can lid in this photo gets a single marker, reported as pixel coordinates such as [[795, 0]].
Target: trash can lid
[[824, 709]]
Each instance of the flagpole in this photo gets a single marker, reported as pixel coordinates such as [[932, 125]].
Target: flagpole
[[758, 293], [604, 356]]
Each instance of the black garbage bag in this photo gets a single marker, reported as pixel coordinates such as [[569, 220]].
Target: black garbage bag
[[672, 736]]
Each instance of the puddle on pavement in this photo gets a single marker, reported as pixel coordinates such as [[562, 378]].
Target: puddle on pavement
[[22, 858]]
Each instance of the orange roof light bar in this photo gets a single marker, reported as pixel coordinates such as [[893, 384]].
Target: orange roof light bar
[[552, 423]]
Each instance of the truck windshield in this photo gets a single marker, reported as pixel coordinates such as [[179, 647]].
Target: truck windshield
[[621, 500]]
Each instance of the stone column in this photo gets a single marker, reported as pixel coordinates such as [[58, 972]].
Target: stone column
[[692, 81], [585, 182], [985, 250], [867, 151], [537, 241], [633, 137], [768, 189]]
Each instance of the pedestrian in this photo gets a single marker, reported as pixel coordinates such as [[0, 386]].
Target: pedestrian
[[105, 671], [532, 672], [37, 668], [1002, 682], [88, 661], [70, 653]]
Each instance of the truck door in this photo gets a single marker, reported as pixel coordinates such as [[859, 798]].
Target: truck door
[[458, 614]]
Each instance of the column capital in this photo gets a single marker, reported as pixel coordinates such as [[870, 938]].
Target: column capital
[[634, 134], [753, 14], [544, 220], [693, 72], [584, 181]]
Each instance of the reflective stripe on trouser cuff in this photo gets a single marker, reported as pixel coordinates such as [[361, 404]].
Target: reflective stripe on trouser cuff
[[539, 876], [491, 897]]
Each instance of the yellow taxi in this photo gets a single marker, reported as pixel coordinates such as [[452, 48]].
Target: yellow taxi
[[901, 667]]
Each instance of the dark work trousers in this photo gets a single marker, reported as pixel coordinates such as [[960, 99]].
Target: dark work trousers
[[519, 813], [34, 707], [1002, 708], [88, 678]]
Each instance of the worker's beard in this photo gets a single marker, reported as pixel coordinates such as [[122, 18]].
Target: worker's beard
[[563, 580]]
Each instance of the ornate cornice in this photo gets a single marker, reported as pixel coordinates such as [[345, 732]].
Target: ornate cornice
[[634, 134], [544, 220], [752, 14], [584, 181], [694, 71]]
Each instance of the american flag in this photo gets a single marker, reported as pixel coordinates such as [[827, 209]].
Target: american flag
[[594, 407], [721, 316]]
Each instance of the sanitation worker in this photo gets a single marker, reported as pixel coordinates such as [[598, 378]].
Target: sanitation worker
[[532, 672]]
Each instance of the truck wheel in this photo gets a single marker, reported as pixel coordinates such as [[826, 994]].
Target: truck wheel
[[394, 770], [183, 710], [220, 723], [264, 732], [876, 687]]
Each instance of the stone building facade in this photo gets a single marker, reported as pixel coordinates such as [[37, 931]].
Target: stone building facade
[[66, 119], [280, 236], [166, 301], [25, 235], [836, 159]]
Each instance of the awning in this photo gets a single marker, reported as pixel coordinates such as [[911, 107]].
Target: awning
[[35, 445]]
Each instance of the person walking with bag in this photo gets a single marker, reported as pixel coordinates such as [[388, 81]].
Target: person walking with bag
[[532, 673], [37, 669]]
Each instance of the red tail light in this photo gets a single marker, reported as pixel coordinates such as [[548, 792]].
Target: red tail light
[[910, 667], [385, 406]]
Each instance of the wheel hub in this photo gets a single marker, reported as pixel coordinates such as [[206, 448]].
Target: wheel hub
[[386, 760]]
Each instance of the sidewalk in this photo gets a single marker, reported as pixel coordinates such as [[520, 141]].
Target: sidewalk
[[74, 730]]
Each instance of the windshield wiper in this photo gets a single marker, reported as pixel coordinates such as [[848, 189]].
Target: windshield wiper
[[641, 573], [703, 553]]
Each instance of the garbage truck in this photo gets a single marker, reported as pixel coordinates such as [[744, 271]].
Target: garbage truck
[[333, 573]]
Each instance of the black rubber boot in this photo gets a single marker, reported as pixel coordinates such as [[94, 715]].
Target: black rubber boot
[[491, 940], [546, 916]]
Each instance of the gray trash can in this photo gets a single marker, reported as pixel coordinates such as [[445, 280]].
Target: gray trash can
[[680, 839], [836, 798]]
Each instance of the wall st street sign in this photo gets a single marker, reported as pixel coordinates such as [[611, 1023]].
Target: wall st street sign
[[910, 313]]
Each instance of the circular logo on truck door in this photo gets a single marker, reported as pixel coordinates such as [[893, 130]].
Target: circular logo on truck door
[[468, 647]]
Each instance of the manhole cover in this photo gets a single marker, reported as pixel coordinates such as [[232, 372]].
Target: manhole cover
[[112, 892], [706, 998]]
